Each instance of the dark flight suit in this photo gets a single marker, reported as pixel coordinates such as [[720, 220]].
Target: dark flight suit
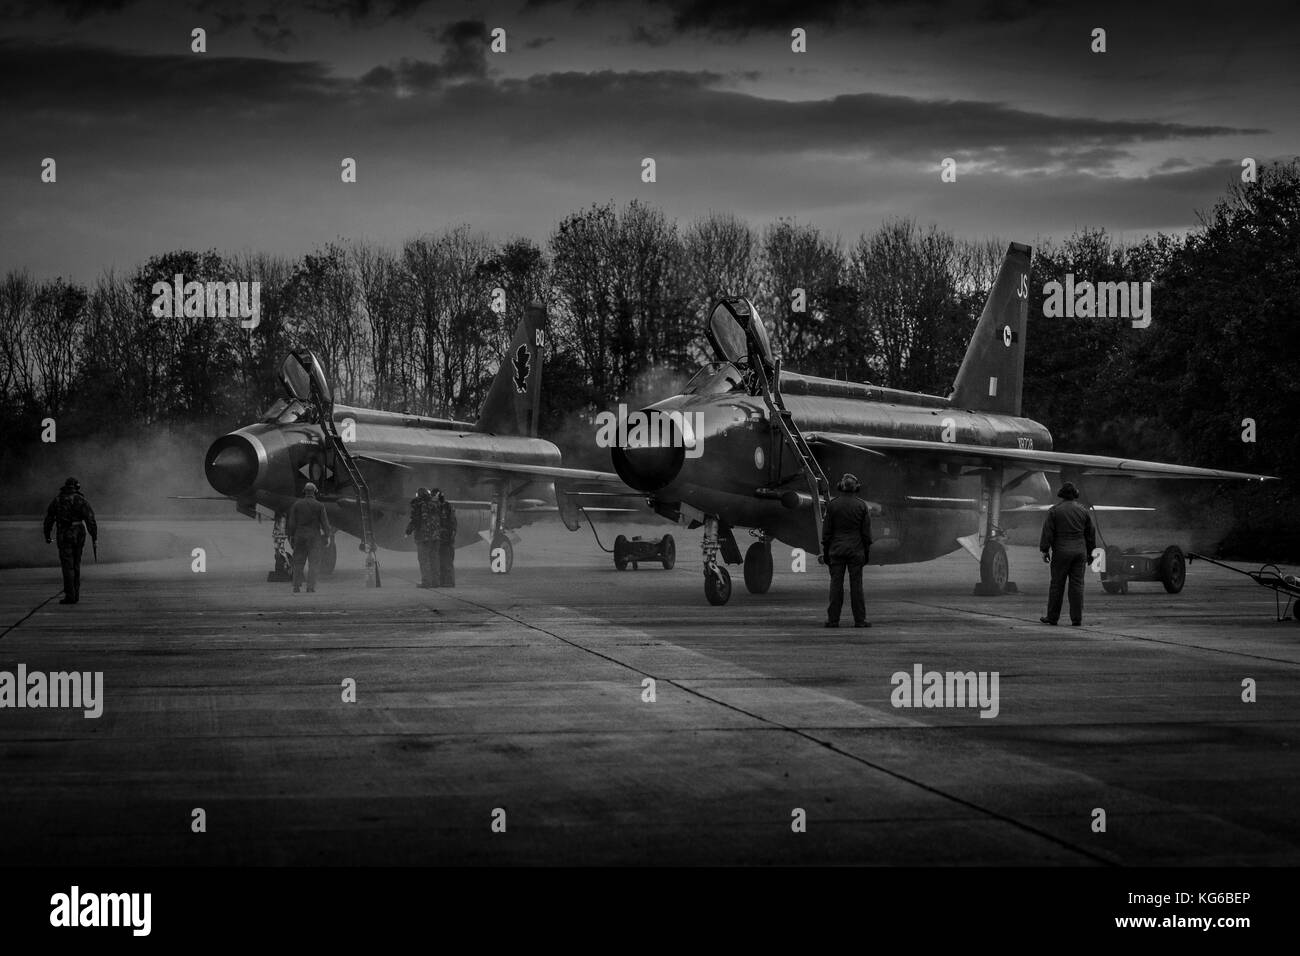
[[846, 543], [447, 543], [1069, 534], [308, 529], [424, 525], [73, 516]]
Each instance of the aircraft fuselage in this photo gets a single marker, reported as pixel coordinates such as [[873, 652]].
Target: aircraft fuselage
[[744, 453], [268, 463]]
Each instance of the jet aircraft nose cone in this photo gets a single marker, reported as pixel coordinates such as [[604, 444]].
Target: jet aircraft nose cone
[[650, 450], [231, 465], [647, 469]]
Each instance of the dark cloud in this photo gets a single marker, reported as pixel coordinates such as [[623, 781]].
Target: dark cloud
[[640, 33], [58, 80], [538, 42], [369, 11], [465, 46], [273, 32], [74, 10], [741, 16], [674, 112]]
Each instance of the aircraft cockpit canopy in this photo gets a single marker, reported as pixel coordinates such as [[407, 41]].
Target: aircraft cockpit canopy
[[303, 378], [738, 336]]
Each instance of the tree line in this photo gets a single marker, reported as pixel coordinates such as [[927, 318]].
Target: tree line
[[414, 328]]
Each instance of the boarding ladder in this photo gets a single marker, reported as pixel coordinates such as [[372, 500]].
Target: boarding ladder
[[341, 454], [812, 470]]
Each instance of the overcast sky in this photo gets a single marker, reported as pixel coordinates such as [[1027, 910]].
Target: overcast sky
[[239, 148]]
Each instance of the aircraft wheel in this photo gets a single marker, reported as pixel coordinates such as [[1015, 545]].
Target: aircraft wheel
[[1173, 569], [1114, 587], [995, 570], [620, 552], [1295, 611], [668, 547], [717, 585], [502, 542], [758, 568], [329, 558]]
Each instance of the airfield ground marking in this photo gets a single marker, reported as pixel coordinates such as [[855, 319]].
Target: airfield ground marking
[[1101, 630], [1041, 834], [28, 614]]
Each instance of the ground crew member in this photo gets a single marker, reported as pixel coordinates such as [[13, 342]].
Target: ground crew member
[[846, 544], [446, 539], [309, 530], [73, 516], [424, 525], [1068, 538]]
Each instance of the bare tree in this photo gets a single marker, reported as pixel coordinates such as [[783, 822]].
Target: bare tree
[[802, 289]]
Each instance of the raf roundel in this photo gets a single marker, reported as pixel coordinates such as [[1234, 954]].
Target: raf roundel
[[1006, 336], [759, 458]]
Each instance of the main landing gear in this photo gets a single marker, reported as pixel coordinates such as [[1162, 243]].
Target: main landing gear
[[283, 567], [995, 568], [501, 554], [758, 566]]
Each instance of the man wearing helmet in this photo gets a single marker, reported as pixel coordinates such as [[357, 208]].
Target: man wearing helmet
[[309, 529], [1068, 538], [73, 516], [424, 525], [846, 544]]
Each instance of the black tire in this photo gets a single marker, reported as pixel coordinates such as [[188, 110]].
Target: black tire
[[1173, 569], [669, 549], [758, 568], [620, 552], [502, 542], [1114, 587], [1295, 611], [717, 585], [995, 569], [329, 558]]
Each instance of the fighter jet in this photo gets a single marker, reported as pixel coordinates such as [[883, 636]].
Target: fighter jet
[[749, 445], [367, 463]]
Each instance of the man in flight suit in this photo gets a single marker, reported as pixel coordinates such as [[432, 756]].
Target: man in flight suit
[[846, 543], [446, 539], [1068, 538], [74, 517], [309, 529], [424, 525]]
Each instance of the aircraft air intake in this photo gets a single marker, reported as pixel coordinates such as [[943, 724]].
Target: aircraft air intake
[[648, 468], [231, 464]]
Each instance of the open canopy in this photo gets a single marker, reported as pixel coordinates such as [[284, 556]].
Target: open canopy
[[303, 378], [737, 334]]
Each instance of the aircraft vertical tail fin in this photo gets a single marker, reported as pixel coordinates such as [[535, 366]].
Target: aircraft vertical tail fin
[[992, 372], [513, 399]]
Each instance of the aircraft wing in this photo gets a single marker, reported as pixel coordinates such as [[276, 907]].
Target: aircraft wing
[[1054, 461], [504, 467]]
